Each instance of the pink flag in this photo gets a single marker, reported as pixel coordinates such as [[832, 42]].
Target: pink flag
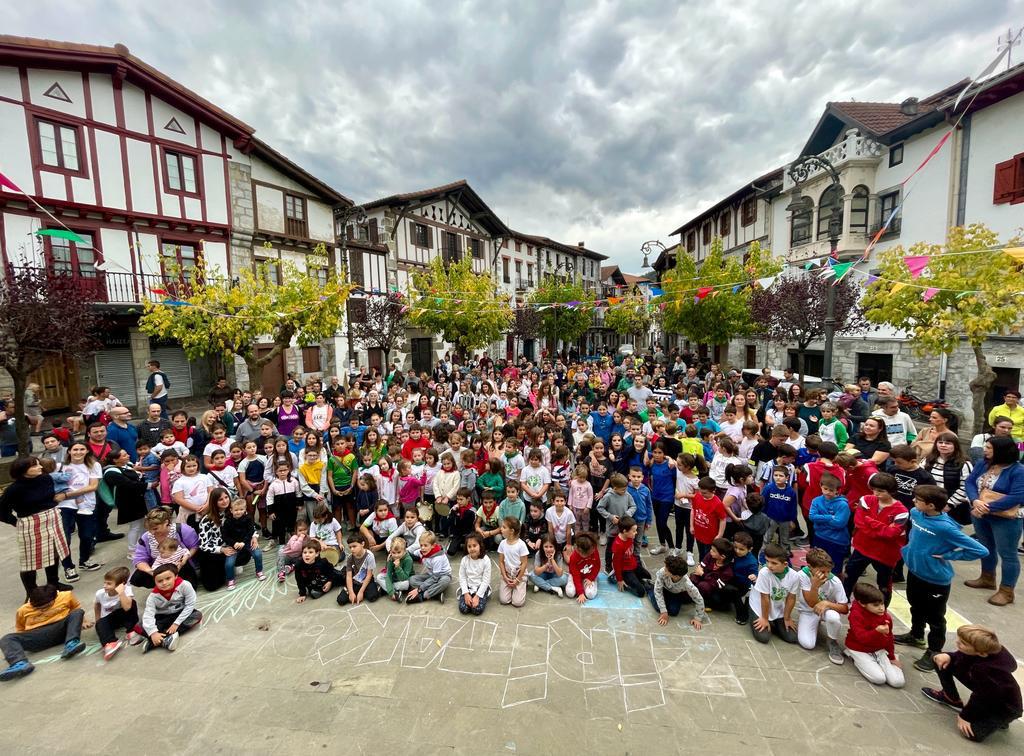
[[916, 264], [8, 184], [929, 293]]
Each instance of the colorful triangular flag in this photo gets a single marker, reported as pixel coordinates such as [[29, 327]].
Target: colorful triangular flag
[[916, 264], [930, 292]]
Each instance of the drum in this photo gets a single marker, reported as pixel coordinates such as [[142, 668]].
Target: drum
[[426, 512], [443, 510]]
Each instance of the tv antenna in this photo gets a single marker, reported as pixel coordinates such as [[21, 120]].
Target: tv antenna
[[1007, 42]]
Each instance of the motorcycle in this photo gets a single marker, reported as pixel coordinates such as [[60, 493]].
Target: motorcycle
[[919, 408]]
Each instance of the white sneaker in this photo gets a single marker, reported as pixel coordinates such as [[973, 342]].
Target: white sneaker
[[689, 560], [604, 540], [657, 550], [536, 588], [558, 592]]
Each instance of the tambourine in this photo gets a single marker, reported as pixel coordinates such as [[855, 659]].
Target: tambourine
[[426, 512], [443, 510]]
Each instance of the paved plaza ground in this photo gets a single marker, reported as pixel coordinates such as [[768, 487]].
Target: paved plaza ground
[[263, 675]]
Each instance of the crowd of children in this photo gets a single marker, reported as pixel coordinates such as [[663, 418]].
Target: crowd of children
[[773, 523]]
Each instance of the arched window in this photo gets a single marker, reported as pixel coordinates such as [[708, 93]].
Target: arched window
[[800, 223], [831, 203], [859, 210]]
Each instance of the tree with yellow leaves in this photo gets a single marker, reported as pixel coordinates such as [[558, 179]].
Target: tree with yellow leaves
[[630, 316], [225, 319], [956, 297]]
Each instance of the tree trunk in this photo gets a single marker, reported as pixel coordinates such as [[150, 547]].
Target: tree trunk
[[20, 421], [255, 371], [980, 386], [800, 352]]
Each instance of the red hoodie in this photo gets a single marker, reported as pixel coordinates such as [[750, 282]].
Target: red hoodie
[[880, 532], [864, 637], [410, 444], [623, 556], [812, 487], [584, 568], [857, 482]]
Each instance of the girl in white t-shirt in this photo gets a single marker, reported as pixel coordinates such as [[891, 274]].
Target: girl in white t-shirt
[[690, 468], [513, 555], [190, 490], [560, 521], [325, 529], [78, 508]]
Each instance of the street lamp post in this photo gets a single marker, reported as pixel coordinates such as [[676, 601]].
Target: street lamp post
[[800, 171]]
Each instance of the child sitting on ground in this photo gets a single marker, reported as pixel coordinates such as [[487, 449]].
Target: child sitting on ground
[[49, 618], [411, 530], [115, 607], [170, 610], [986, 668], [394, 580], [547, 574], [822, 598], [744, 570], [290, 553], [474, 577], [463, 518], [672, 587], [584, 569], [773, 597], [627, 569], [869, 641], [535, 527], [325, 529], [239, 532], [378, 526], [314, 575], [360, 568], [513, 555], [436, 575], [715, 579]]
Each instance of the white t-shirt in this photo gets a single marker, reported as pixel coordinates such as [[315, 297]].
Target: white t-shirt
[[832, 590], [109, 603], [777, 587], [81, 476], [158, 385], [686, 485], [228, 478], [733, 430], [224, 446], [560, 522], [326, 532], [194, 489], [535, 477], [513, 553]]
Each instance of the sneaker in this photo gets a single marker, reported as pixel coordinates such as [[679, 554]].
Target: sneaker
[[925, 663], [689, 560], [16, 670], [738, 620], [835, 652], [63, 587], [604, 540], [170, 641], [536, 588], [657, 550], [71, 575], [611, 577], [109, 649], [89, 566], [261, 576], [939, 696], [908, 639], [400, 597], [147, 645], [289, 569], [133, 638], [440, 597], [558, 592], [231, 585], [72, 647], [280, 576]]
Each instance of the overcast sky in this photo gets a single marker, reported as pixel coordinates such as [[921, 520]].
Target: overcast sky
[[604, 122]]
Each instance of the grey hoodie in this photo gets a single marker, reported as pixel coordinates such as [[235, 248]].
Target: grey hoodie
[[181, 603], [615, 505]]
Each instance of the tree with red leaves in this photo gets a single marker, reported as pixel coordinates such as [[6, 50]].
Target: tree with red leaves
[[793, 310], [380, 323], [42, 314]]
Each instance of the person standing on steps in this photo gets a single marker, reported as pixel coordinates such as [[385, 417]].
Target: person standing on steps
[[157, 385]]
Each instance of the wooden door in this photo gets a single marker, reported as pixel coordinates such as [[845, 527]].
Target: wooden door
[[55, 380], [376, 360], [422, 355], [273, 372]]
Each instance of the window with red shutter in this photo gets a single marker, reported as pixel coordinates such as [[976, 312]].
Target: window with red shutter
[[1007, 180], [724, 221]]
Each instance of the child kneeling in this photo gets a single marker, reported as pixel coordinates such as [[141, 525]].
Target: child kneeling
[[170, 609], [584, 568], [512, 563], [773, 597], [870, 641], [822, 598], [49, 618], [671, 590], [474, 577], [547, 574]]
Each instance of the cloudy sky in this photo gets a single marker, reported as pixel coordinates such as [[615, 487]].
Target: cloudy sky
[[604, 122]]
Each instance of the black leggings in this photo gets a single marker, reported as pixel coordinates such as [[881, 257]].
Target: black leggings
[[661, 512], [682, 517], [858, 564], [634, 580], [28, 577]]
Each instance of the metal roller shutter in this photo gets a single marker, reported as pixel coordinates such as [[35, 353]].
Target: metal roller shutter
[[174, 362], [114, 370]]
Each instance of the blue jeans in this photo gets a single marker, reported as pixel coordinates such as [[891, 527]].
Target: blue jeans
[[1000, 535], [151, 498], [163, 406], [229, 561], [548, 583], [86, 524]]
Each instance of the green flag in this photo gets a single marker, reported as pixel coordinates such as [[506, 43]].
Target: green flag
[[61, 233]]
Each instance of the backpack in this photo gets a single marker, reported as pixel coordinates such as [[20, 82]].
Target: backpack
[[151, 381]]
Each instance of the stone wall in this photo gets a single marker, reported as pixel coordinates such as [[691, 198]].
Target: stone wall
[[242, 215]]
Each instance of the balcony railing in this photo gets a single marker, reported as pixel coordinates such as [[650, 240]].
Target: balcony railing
[[893, 229], [524, 283], [115, 288], [853, 147]]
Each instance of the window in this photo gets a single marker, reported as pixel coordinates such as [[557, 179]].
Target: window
[[691, 241], [356, 268], [748, 211], [311, 359], [179, 262], [517, 249], [750, 356], [504, 271], [519, 274], [705, 234], [452, 250], [895, 155], [859, 210], [724, 222], [476, 248], [271, 270], [180, 173], [319, 274], [529, 274], [420, 236], [59, 146], [830, 205], [800, 223], [295, 216], [887, 203], [1009, 181], [70, 258]]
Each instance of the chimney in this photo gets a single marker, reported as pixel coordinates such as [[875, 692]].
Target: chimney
[[581, 245], [909, 106]]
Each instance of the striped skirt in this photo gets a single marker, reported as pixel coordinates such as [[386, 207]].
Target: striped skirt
[[41, 541]]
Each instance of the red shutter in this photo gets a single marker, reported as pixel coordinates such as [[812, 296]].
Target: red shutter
[[1018, 189], [1006, 181], [374, 239]]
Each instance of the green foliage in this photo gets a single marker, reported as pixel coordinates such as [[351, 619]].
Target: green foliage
[[463, 306], [563, 323], [222, 319], [721, 315], [629, 317]]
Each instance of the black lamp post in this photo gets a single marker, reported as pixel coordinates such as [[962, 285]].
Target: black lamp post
[[799, 172]]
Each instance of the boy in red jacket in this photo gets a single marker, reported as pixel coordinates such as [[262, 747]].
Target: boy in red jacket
[[810, 479], [416, 440], [584, 568], [869, 642], [984, 665], [629, 572], [880, 531]]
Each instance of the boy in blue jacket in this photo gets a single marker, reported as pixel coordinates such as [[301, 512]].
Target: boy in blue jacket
[[601, 422], [935, 541], [644, 504], [780, 504], [829, 514]]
